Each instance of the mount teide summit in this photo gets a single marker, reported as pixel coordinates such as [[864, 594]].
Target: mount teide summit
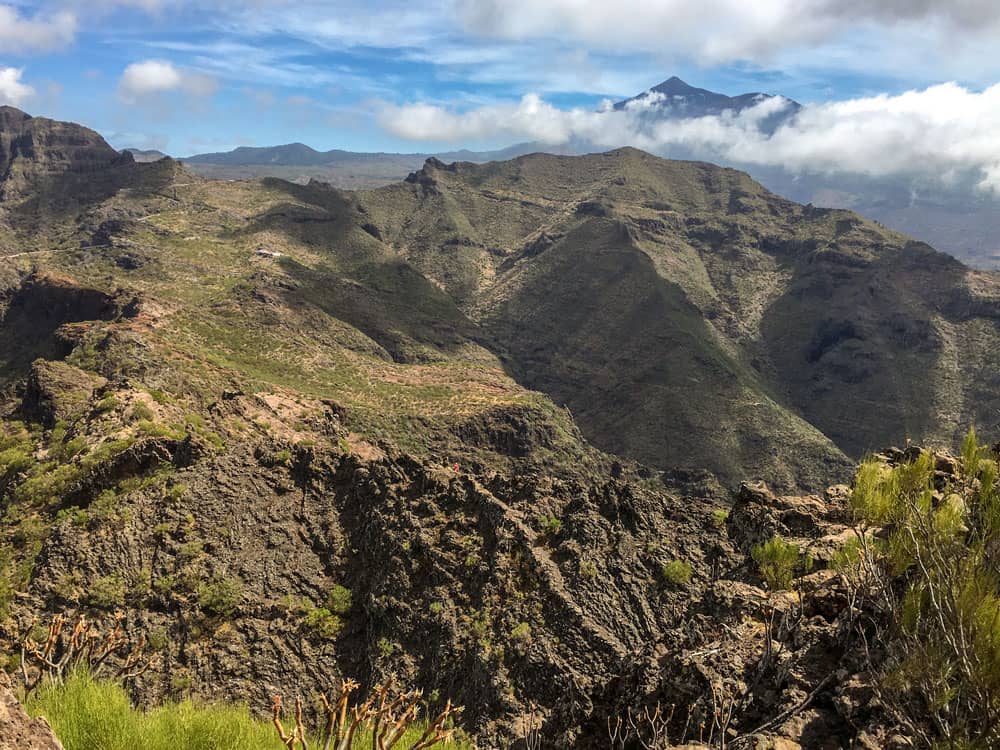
[[675, 99]]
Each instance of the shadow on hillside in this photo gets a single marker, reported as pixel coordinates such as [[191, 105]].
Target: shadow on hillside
[[866, 348]]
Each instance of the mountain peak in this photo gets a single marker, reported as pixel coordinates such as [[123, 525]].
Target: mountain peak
[[675, 86], [10, 116]]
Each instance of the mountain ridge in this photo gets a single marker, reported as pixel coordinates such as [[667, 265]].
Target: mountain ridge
[[957, 219]]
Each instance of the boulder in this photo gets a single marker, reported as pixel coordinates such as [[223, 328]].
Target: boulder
[[18, 731]]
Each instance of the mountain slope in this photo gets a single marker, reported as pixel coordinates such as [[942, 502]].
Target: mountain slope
[[655, 297]]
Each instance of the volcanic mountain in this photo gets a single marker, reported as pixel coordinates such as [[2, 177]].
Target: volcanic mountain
[[675, 99]]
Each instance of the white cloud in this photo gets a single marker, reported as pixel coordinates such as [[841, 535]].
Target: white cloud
[[41, 33], [939, 131], [716, 30], [153, 77], [529, 118], [149, 77], [12, 90]]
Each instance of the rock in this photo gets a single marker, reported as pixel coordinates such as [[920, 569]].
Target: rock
[[56, 391], [18, 731], [854, 696]]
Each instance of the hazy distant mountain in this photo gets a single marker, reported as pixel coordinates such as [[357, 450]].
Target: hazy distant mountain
[[344, 169], [301, 155]]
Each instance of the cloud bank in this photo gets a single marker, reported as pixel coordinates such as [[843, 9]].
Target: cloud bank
[[943, 131]]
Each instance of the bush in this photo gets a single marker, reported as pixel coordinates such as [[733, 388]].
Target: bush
[[521, 632], [776, 559], [323, 622], [677, 573], [106, 404], [588, 569], [339, 600], [934, 576], [719, 517], [14, 460], [142, 412], [550, 525], [220, 596], [107, 592], [88, 714]]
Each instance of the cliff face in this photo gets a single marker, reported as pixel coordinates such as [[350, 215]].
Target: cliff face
[[51, 172], [35, 148]]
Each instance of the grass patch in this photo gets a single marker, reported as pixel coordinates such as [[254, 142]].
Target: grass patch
[[89, 714]]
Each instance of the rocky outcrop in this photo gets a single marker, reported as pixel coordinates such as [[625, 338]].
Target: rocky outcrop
[[46, 316], [33, 148], [508, 594], [56, 391], [18, 731]]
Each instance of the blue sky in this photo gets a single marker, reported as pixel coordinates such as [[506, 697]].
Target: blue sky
[[191, 77]]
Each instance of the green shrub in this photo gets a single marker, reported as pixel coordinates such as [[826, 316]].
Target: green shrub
[[87, 714], [323, 622], [521, 632], [107, 592], [927, 563], [220, 596], [14, 460], [106, 404], [159, 396], [776, 559], [719, 517], [104, 505], [677, 573], [283, 456], [141, 411], [339, 600], [550, 525]]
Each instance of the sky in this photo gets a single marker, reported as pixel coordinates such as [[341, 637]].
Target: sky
[[888, 85]]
